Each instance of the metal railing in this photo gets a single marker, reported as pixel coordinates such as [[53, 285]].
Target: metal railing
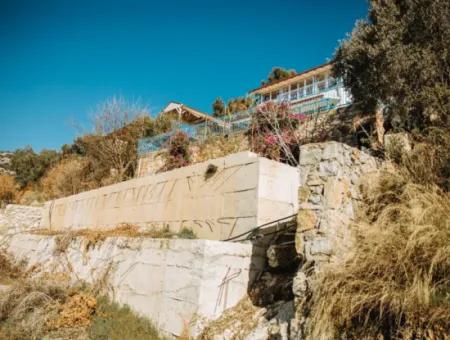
[[233, 124]]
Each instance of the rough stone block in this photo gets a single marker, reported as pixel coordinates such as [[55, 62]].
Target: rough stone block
[[310, 154]]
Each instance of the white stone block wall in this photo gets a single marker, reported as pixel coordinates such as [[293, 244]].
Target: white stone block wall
[[16, 218], [172, 282], [245, 191]]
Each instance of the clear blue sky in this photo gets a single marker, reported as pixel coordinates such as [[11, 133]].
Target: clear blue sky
[[59, 58]]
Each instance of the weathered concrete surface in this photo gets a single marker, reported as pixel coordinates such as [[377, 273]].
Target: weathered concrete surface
[[17, 218], [170, 281], [245, 191]]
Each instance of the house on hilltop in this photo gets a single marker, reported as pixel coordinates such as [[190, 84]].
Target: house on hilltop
[[307, 92]]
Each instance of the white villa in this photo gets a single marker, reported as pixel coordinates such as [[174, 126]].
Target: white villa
[[313, 90]]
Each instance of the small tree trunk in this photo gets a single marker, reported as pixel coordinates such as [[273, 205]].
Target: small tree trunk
[[379, 126]]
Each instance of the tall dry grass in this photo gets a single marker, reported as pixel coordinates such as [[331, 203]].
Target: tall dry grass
[[397, 282]]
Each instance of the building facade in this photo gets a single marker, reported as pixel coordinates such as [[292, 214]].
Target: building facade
[[311, 91]]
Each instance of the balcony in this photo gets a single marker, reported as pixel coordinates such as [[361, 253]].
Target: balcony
[[302, 92]]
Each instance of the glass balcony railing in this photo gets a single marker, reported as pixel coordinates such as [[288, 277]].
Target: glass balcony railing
[[306, 91]]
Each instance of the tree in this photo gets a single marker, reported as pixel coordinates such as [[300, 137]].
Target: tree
[[238, 104], [218, 107], [115, 113], [30, 166], [399, 59], [68, 177], [277, 74]]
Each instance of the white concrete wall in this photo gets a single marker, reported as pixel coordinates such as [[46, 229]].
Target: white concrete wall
[[246, 191], [169, 281]]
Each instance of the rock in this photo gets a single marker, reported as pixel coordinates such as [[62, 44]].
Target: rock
[[321, 245], [300, 284], [333, 150], [306, 219], [335, 191], [310, 155], [331, 168], [303, 194]]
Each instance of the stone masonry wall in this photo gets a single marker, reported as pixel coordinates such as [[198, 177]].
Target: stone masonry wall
[[330, 175]]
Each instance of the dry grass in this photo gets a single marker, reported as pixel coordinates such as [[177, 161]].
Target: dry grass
[[95, 235], [397, 282], [8, 271], [216, 147], [242, 318], [52, 307]]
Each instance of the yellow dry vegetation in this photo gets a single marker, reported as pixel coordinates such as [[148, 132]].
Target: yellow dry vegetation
[[396, 284], [242, 318], [77, 311]]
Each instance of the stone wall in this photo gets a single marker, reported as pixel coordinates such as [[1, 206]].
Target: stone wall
[[217, 199], [16, 218], [330, 175], [172, 282]]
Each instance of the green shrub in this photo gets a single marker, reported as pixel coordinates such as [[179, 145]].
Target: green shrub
[[114, 322], [30, 166], [186, 233]]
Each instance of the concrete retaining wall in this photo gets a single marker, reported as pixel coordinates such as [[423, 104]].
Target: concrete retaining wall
[[173, 282], [245, 191]]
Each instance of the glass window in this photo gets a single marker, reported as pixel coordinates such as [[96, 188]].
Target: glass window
[[274, 95], [331, 81], [266, 97]]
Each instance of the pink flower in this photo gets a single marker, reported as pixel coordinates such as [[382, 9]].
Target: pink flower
[[270, 139]]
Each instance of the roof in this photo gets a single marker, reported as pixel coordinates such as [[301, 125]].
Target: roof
[[189, 114], [269, 87]]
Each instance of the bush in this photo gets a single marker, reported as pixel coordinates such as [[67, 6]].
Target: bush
[[273, 133], [68, 177], [178, 151], [30, 166], [396, 284], [8, 189], [428, 163], [114, 322]]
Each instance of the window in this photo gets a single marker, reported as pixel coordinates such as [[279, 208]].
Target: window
[[294, 93], [309, 86], [331, 81], [274, 95], [320, 80], [266, 97]]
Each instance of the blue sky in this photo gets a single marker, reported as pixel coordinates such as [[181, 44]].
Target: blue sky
[[58, 59]]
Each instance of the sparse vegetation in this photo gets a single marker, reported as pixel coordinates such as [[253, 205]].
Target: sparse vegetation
[[94, 235], [50, 307], [8, 189], [178, 152]]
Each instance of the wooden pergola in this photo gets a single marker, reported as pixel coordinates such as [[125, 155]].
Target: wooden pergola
[[188, 115]]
